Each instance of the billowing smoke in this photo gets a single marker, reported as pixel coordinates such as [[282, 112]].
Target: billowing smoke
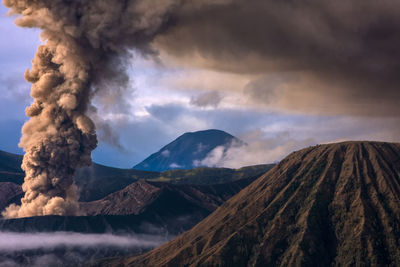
[[85, 48]]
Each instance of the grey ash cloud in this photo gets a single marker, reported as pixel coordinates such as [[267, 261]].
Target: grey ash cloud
[[207, 99], [345, 52]]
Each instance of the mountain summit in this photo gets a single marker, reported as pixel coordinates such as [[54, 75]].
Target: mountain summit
[[186, 150], [328, 205]]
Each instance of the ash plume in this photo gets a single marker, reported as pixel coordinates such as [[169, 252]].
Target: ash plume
[[344, 54], [85, 50]]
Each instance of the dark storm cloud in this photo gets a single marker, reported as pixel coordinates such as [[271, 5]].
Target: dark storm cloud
[[349, 48]]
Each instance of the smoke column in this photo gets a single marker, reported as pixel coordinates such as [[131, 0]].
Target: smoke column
[[85, 50]]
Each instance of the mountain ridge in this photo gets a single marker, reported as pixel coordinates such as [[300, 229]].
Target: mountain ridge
[[142, 207], [143, 195], [97, 181], [334, 204]]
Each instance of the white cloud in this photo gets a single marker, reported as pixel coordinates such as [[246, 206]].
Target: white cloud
[[68, 248], [213, 159], [257, 150], [10, 241], [200, 148], [175, 166], [166, 153]]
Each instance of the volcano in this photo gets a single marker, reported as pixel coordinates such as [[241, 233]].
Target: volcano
[[187, 149], [334, 204]]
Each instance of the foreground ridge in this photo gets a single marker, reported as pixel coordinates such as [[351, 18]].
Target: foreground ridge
[[335, 204]]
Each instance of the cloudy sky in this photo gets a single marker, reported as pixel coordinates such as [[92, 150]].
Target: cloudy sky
[[280, 76]]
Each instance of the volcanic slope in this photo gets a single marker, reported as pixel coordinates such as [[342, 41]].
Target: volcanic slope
[[328, 205], [161, 199]]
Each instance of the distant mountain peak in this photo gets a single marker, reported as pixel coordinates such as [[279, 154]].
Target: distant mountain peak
[[187, 150], [207, 132]]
